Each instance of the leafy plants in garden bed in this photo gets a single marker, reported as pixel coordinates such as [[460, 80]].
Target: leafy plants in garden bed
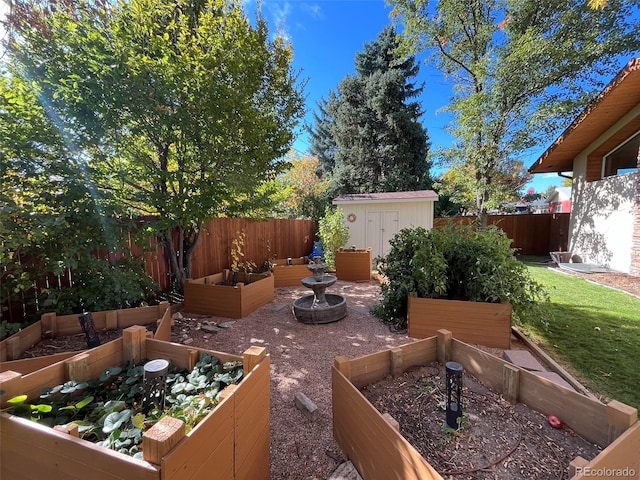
[[110, 412], [455, 262]]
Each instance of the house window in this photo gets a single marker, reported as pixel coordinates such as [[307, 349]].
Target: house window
[[623, 159]]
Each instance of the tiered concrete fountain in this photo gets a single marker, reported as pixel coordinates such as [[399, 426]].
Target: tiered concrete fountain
[[320, 307]]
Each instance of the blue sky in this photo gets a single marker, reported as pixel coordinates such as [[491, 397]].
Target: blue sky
[[327, 34]]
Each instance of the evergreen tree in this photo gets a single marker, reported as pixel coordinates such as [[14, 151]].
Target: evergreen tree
[[323, 145], [381, 145]]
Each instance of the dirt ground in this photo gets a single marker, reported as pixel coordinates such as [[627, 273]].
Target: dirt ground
[[498, 440]]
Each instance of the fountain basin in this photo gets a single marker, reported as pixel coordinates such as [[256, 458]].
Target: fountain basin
[[321, 282], [305, 313]]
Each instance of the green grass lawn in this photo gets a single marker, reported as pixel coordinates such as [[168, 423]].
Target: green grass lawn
[[594, 331]]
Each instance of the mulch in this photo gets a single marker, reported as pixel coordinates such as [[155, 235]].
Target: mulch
[[496, 439]]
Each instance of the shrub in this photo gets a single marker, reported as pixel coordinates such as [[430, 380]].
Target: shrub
[[101, 285], [455, 262], [333, 233]]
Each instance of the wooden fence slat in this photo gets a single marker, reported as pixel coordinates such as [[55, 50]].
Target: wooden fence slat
[[532, 234], [264, 239]]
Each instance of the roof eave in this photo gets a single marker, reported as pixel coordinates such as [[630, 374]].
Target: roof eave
[[541, 165]]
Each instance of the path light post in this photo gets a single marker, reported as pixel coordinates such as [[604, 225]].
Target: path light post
[[154, 384], [89, 329], [454, 393]]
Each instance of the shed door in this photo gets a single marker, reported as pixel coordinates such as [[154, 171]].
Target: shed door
[[381, 226]]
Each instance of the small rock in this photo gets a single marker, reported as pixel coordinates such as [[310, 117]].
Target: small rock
[[177, 316], [187, 341], [209, 329], [278, 307], [226, 324], [306, 406], [345, 471]]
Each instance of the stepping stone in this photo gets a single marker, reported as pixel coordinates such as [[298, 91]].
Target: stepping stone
[[523, 359], [554, 377], [345, 471]]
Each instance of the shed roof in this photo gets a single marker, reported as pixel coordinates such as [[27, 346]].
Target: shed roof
[[387, 197], [617, 99]]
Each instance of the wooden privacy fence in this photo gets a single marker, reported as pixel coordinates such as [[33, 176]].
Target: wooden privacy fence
[[263, 240], [532, 234], [269, 239]]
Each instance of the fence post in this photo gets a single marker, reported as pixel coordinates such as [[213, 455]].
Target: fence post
[[619, 417], [343, 365], [78, 368], [251, 357], [134, 344], [11, 385], [48, 325], [444, 346], [397, 363], [510, 383]]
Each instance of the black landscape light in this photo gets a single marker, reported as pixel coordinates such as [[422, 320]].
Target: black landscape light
[[89, 329], [454, 393], [154, 383]]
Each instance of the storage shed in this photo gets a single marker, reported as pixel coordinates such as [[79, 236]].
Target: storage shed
[[374, 218]]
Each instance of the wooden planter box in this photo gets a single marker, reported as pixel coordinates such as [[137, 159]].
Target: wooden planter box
[[377, 449], [354, 265], [51, 325], [232, 441], [486, 324], [207, 295], [290, 275]]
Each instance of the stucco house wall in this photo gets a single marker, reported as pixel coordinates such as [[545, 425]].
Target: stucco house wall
[[373, 219], [601, 227], [604, 227]]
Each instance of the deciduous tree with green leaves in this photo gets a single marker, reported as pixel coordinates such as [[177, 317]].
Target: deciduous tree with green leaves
[[521, 69], [458, 184], [301, 193], [51, 219], [182, 108]]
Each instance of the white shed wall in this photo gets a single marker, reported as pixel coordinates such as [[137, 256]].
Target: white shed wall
[[377, 222]]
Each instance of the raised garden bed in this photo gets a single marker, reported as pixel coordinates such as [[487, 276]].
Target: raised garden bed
[[213, 295], [290, 272], [487, 324], [378, 450], [50, 325], [354, 265], [232, 440]]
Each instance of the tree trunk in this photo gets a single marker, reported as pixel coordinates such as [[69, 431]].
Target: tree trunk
[[192, 248], [178, 274], [482, 197], [181, 256]]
